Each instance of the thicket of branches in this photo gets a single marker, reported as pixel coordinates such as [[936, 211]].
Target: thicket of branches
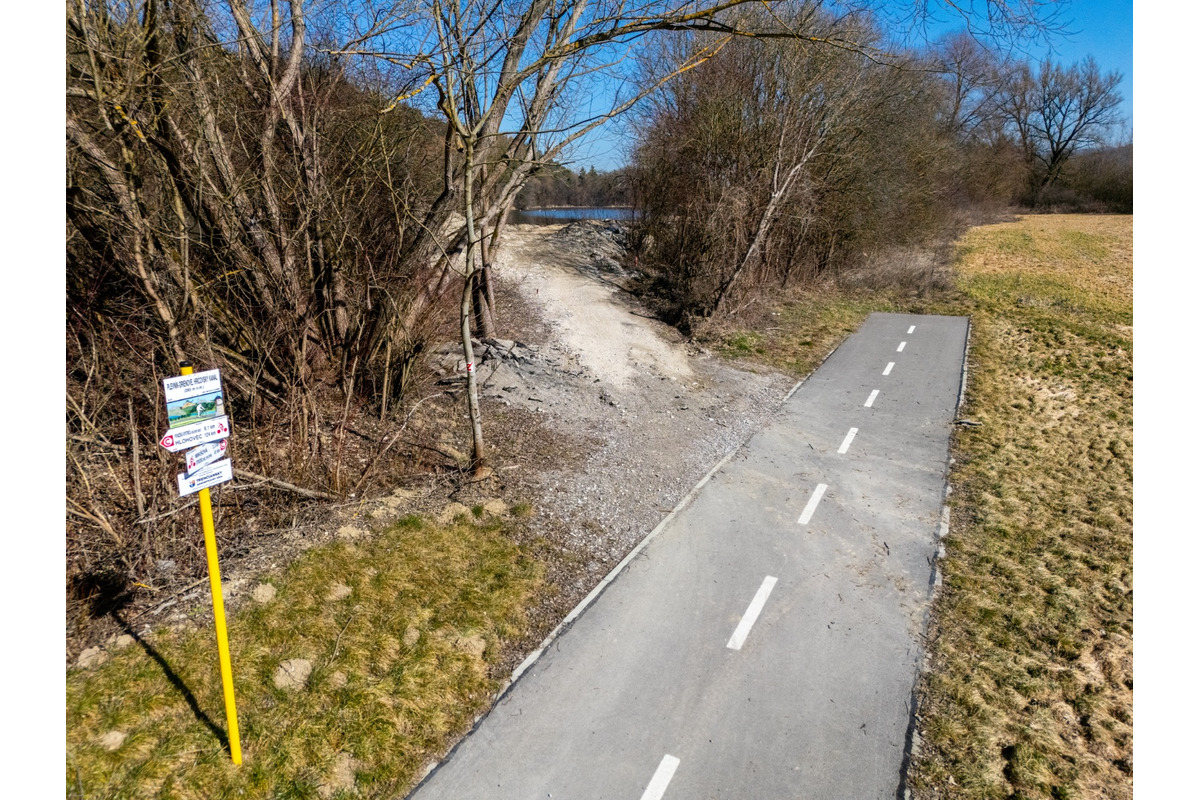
[[776, 162], [234, 198], [250, 187]]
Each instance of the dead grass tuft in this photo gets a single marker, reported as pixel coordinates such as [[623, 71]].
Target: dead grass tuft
[[906, 271]]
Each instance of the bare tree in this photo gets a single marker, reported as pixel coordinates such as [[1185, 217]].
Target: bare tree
[[233, 197], [502, 73], [1058, 112], [773, 159], [973, 86]]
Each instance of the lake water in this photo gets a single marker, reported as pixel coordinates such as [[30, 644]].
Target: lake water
[[557, 216]]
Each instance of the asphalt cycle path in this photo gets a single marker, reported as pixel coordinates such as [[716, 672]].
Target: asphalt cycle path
[[765, 641]]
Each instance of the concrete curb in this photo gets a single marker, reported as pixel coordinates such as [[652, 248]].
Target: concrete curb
[[912, 738]]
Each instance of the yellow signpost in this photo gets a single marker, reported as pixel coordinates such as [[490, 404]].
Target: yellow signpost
[[214, 581]]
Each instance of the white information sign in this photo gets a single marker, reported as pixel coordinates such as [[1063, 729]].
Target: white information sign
[[182, 387], [194, 398], [204, 455], [198, 433], [219, 472]]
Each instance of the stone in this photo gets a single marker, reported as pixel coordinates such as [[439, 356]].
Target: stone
[[338, 680], [231, 589], [112, 740], [474, 644], [501, 344], [263, 593], [411, 636], [394, 503], [91, 657], [338, 591], [459, 457], [293, 674], [495, 507], [123, 641]]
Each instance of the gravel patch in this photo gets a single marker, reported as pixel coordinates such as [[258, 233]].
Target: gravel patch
[[646, 413]]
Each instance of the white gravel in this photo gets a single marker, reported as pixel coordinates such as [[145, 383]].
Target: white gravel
[[662, 412]]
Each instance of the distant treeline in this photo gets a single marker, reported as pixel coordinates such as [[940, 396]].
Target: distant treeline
[[557, 185], [775, 162]]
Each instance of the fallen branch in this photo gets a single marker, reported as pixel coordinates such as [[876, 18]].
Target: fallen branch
[[278, 484], [119, 448], [379, 454], [166, 599], [170, 513], [97, 518]]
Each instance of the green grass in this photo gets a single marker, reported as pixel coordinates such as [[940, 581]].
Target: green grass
[[1029, 692], [400, 667]]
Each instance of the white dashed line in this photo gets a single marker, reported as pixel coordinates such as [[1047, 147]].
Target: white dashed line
[[900, 349], [846, 442], [888, 369], [912, 328], [871, 400], [806, 515], [662, 777], [748, 619]]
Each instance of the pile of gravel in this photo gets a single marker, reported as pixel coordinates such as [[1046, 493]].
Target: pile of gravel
[[603, 242]]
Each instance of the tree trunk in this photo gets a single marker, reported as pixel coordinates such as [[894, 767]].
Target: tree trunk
[[485, 299], [760, 235], [478, 463]]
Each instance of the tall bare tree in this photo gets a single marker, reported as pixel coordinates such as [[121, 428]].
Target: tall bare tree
[[1058, 112]]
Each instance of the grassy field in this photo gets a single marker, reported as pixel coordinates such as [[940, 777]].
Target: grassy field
[[400, 630], [1029, 692]]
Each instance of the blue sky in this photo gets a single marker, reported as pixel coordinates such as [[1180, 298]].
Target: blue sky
[[1102, 29]]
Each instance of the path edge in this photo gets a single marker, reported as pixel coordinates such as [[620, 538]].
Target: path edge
[[608, 579]]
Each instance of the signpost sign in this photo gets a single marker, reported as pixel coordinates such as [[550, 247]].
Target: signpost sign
[[190, 483], [196, 416], [204, 455], [211, 430], [194, 398]]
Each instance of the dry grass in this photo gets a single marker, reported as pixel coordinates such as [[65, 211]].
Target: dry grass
[[400, 668], [796, 330], [1030, 689]]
